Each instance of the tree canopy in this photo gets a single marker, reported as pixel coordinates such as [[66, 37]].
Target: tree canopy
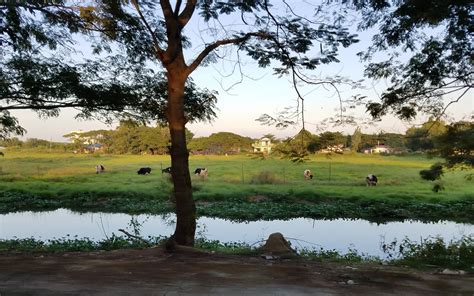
[[430, 53], [221, 143], [456, 144], [38, 73], [422, 138]]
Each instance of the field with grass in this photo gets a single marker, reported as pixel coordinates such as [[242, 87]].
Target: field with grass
[[238, 187]]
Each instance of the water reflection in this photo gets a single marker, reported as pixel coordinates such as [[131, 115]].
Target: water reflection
[[336, 234]]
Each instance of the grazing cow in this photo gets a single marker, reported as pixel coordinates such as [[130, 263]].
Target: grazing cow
[[202, 172], [167, 170], [371, 180], [144, 171], [307, 174], [99, 169]]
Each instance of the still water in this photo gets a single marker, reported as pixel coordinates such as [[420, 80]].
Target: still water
[[339, 234]]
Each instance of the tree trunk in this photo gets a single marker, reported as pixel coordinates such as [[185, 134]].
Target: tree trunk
[[185, 206]]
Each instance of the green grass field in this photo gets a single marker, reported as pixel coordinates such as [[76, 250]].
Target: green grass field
[[31, 181]]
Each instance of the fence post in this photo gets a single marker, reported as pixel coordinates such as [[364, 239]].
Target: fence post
[[329, 171]]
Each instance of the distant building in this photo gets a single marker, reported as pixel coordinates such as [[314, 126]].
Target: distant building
[[338, 148], [264, 145], [93, 147], [379, 148]]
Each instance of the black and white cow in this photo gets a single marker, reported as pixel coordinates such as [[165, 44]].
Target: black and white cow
[[167, 170], [144, 171], [99, 169], [202, 172], [371, 180], [307, 174]]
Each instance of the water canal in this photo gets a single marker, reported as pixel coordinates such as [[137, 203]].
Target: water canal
[[338, 234]]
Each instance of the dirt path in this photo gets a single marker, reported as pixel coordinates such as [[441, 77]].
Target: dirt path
[[153, 272]]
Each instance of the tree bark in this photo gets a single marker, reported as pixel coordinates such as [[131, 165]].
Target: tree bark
[[185, 206]]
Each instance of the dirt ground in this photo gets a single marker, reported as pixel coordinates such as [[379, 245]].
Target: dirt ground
[[154, 272]]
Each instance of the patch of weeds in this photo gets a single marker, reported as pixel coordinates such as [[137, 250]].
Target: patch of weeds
[[265, 177], [215, 245], [458, 254], [352, 256], [197, 187], [75, 244]]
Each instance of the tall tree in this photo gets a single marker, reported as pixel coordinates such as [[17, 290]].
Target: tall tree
[[422, 138], [356, 140], [266, 34], [150, 32], [298, 147], [331, 139], [220, 143], [456, 144]]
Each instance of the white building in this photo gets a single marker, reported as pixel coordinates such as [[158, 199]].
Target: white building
[[264, 145], [379, 148]]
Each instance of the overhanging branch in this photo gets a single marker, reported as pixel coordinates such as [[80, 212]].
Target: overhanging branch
[[159, 51], [209, 48]]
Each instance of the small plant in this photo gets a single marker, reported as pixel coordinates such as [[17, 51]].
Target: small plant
[[265, 177], [434, 174], [258, 155]]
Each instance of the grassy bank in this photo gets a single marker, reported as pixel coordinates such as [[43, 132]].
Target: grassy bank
[[434, 253], [238, 187]]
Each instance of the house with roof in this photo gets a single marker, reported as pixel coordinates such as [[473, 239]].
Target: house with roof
[[379, 148], [264, 145]]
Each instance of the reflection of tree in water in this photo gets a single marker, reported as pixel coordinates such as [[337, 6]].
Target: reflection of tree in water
[[169, 219], [201, 230], [135, 225]]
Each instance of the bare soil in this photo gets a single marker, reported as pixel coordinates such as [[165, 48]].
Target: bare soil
[[154, 272]]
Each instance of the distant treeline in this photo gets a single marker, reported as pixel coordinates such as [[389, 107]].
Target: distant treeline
[[132, 138]]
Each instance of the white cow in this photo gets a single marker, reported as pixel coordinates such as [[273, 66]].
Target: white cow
[[371, 180], [99, 169], [202, 172]]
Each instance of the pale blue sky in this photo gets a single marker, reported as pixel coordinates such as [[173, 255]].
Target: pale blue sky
[[261, 93]]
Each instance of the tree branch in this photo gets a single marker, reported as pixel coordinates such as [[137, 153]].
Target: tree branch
[[177, 7], [135, 237], [39, 107], [218, 43], [167, 10], [159, 51], [187, 13]]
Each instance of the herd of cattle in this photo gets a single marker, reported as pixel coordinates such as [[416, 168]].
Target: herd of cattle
[[370, 180]]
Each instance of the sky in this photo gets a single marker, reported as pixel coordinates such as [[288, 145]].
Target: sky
[[259, 92]]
